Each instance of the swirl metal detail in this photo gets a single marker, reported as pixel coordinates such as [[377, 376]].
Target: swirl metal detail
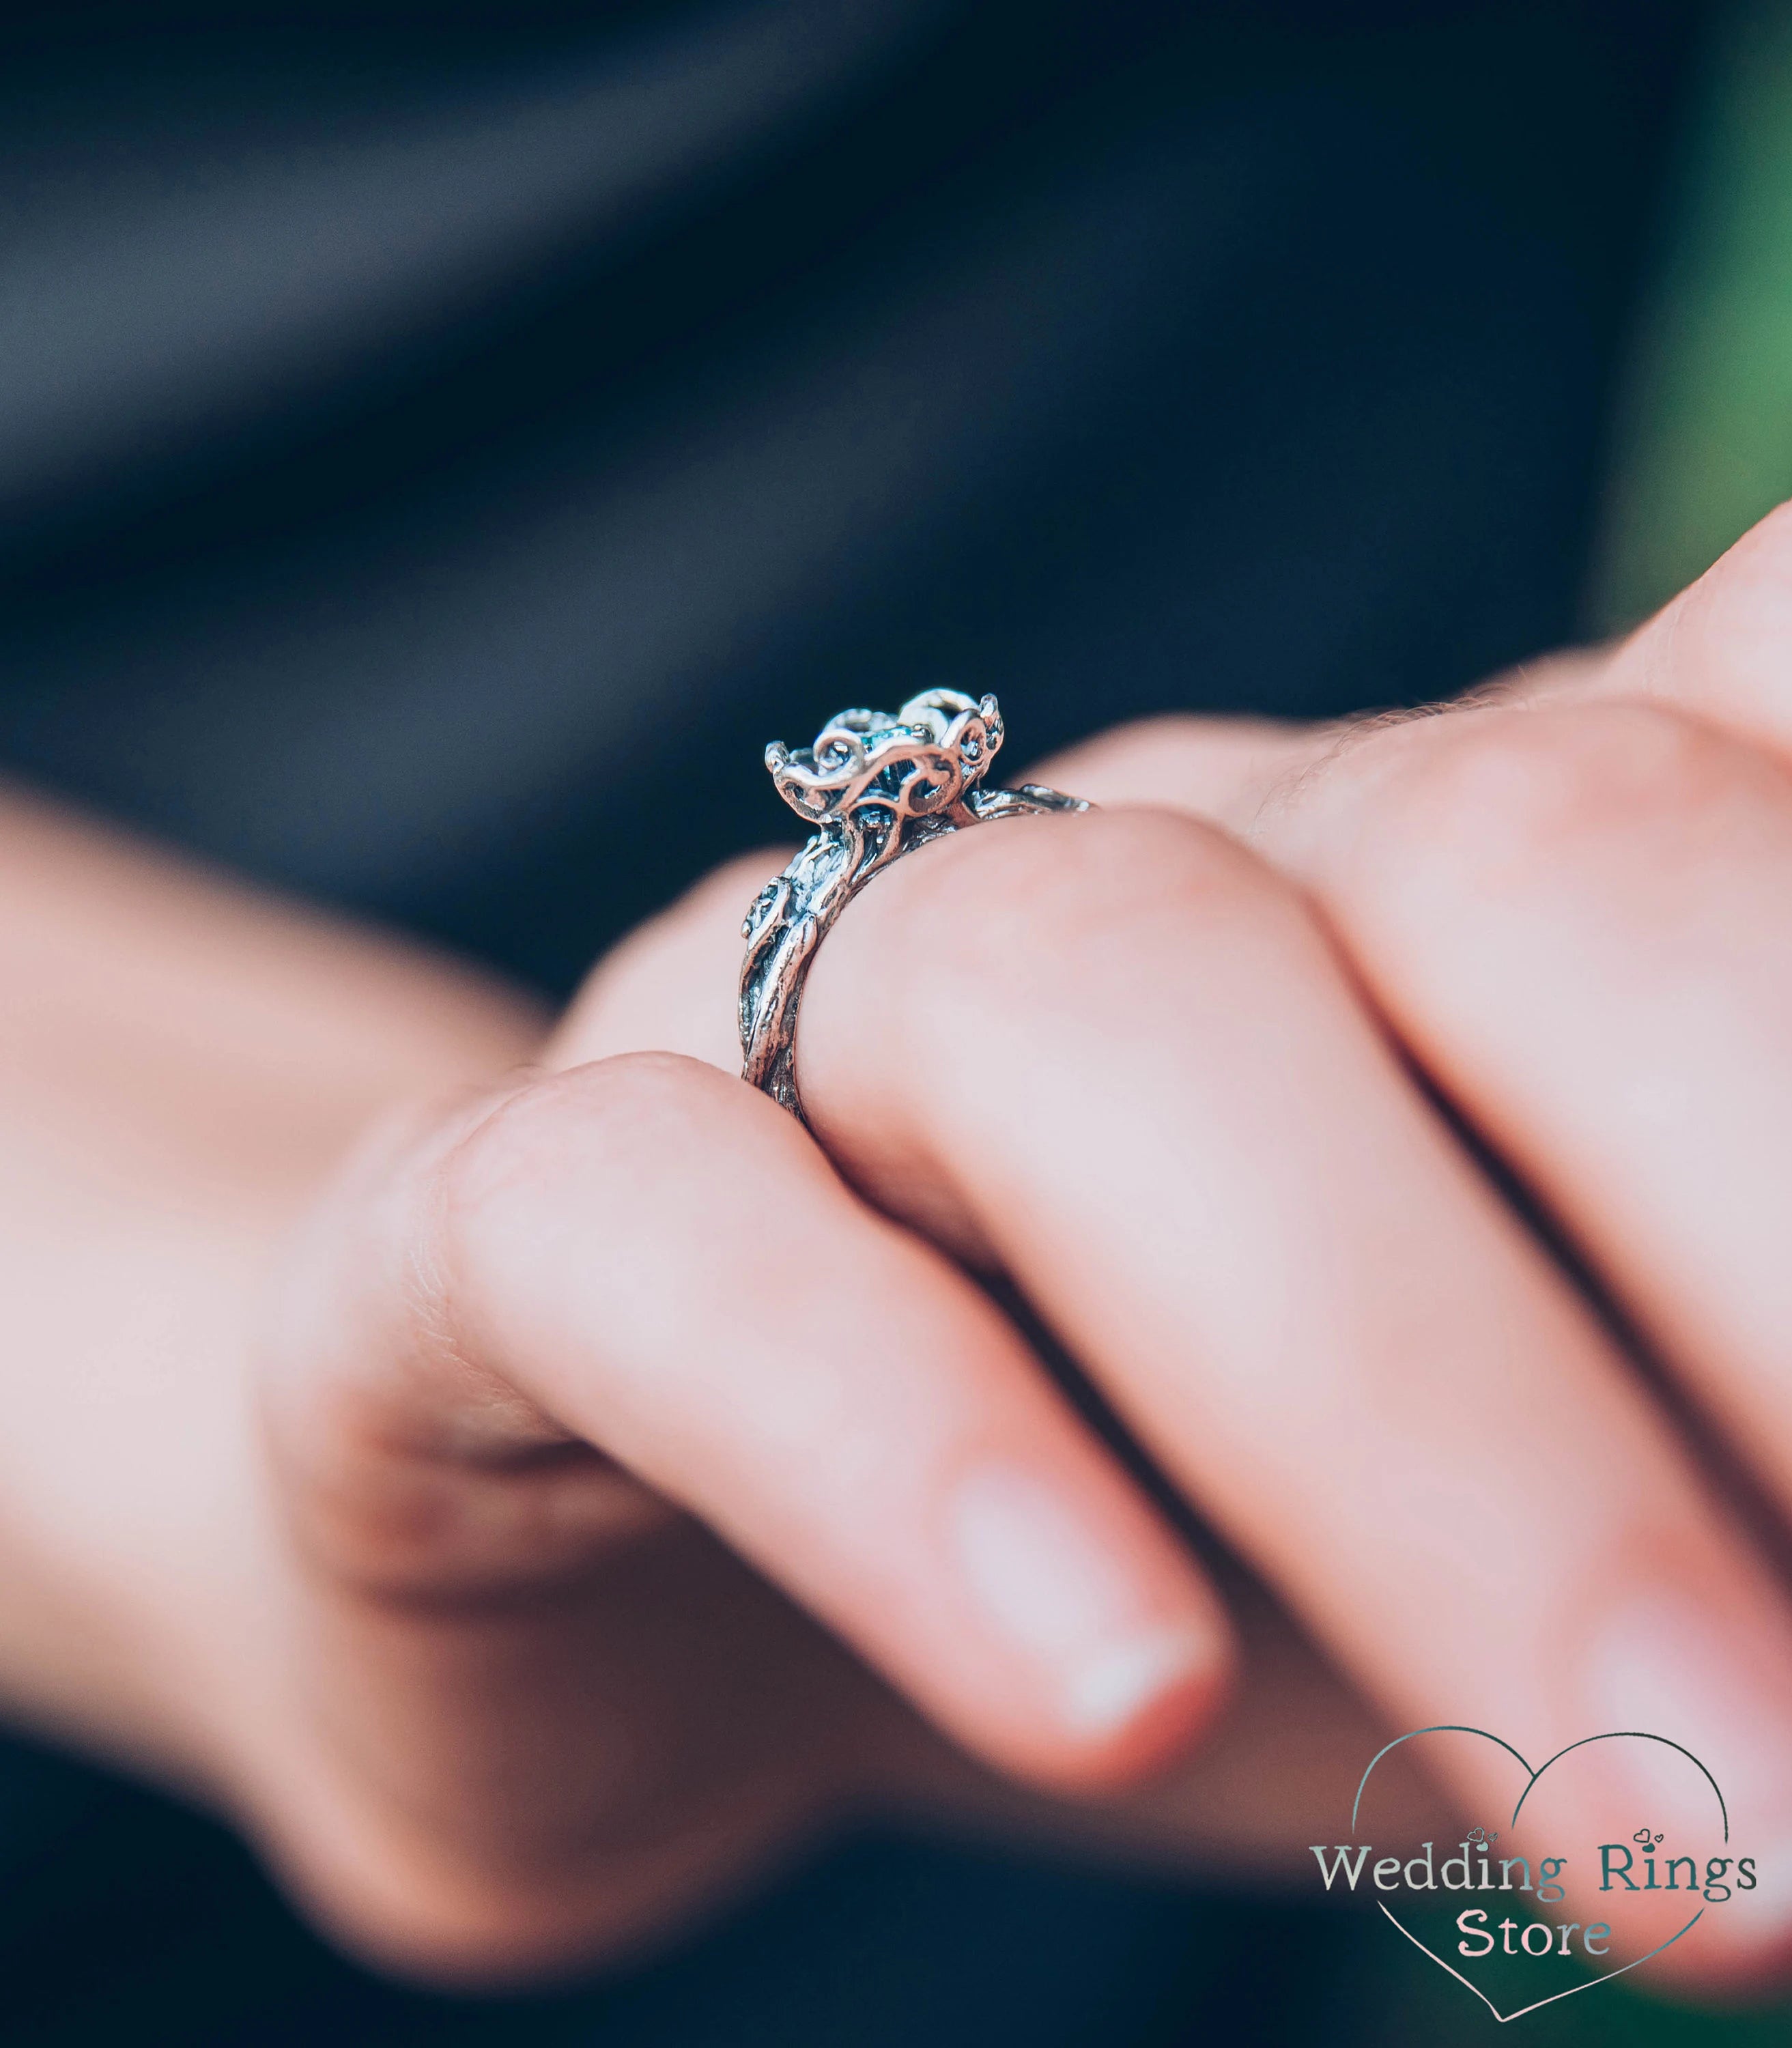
[[875, 786]]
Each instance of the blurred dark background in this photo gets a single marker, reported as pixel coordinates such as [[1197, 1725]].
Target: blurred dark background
[[438, 446]]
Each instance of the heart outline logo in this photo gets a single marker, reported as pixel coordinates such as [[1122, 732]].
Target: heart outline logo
[[1531, 1778]]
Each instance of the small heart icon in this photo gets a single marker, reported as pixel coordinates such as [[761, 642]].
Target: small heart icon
[[1536, 1899]]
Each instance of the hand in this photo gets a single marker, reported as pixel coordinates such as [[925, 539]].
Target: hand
[[496, 1707], [1167, 1084]]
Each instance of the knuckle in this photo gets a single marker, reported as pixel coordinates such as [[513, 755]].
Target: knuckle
[[645, 1105], [1074, 895], [1722, 636], [1505, 796], [507, 1227], [670, 984], [1756, 570]]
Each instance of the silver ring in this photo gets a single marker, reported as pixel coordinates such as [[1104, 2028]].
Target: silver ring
[[877, 787]]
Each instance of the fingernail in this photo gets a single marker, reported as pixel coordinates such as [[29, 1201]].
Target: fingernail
[[1071, 1598], [1116, 1687]]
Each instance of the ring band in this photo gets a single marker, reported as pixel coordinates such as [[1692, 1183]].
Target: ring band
[[877, 787]]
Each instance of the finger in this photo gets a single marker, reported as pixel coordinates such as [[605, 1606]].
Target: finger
[[1571, 912], [1222, 770], [1573, 915], [1292, 1734], [670, 986], [1242, 773], [1289, 1750], [1718, 650], [1152, 1086], [1569, 905], [645, 1256]]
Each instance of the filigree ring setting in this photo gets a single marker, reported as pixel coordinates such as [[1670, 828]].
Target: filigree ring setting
[[874, 787]]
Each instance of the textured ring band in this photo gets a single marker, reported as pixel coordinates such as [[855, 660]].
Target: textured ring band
[[877, 787]]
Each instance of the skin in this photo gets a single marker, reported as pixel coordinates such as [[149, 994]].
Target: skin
[[530, 1483]]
